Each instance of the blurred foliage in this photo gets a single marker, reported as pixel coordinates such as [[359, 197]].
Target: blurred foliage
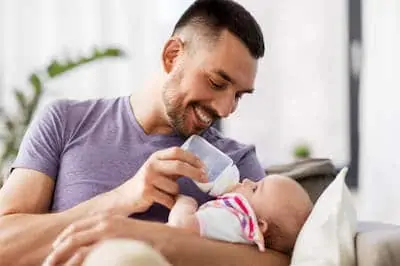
[[302, 151], [14, 125]]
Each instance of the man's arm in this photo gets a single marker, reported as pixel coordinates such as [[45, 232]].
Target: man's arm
[[27, 194], [183, 249], [24, 229], [180, 247]]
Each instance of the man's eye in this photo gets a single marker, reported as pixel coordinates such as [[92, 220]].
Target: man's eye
[[216, 85]]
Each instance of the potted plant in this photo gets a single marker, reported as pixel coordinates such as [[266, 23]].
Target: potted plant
[[302, 152]]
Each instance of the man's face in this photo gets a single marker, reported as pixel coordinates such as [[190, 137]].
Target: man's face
[[207, 84]]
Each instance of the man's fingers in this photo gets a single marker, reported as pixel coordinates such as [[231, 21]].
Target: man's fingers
[[71, 244], [176, 153], [77, 227], [163, 198], [179, 168], [167, 185]]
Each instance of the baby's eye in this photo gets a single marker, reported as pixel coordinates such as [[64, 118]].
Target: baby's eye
[[254, 189]]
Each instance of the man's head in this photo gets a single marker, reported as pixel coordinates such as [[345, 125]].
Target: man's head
[[281, 206], [210, 62]]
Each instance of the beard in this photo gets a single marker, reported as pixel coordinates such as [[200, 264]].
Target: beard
[[178, 115]]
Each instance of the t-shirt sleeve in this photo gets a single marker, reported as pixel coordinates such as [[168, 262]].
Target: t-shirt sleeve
[[249, 166], [43, 141]]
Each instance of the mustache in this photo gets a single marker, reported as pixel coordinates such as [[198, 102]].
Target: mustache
[[213, 113]]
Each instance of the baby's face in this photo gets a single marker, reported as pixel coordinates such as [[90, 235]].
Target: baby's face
[[278, 201], [254, 192]]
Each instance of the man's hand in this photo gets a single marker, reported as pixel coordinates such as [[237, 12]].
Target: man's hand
[[76, 241], [155, 182]]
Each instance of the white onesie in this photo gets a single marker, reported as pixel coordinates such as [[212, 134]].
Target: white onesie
[[230, 218]]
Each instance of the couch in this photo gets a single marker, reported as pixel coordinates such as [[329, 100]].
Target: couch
[[376, 244]]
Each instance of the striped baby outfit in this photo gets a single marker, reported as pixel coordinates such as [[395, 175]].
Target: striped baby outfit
[[230, 218]]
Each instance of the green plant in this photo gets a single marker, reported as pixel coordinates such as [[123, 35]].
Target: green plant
[[14, 125], [302, 151]]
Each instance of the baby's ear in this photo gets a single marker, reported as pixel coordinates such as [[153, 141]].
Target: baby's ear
[[263, 225]]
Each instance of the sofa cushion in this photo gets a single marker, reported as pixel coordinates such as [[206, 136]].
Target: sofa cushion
[[378, 244]]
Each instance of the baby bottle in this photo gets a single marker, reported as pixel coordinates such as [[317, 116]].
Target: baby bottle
[[222, 173]]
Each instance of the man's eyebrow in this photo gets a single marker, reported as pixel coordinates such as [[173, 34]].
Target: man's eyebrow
[[225, 76], [228, 78]]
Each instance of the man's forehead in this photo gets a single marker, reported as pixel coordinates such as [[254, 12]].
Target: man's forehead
[[227, 57]]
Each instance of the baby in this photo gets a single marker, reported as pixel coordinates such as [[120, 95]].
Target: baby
[[268, 213]]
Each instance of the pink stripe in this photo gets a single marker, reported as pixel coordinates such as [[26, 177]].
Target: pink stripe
[[251, 224], [240, 203]]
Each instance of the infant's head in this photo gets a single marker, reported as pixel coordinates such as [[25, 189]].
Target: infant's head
[[281, 206]]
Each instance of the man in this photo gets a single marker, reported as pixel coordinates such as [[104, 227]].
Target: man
[[121, 156]]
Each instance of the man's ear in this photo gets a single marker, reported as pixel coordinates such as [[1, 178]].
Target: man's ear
[[263, 225], [172, 50]]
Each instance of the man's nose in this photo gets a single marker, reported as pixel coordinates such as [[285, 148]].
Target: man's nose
[[225, 104]]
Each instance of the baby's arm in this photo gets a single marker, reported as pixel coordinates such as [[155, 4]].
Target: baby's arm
[[182, 215]]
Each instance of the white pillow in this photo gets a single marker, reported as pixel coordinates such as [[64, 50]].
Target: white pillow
[[327, 237]]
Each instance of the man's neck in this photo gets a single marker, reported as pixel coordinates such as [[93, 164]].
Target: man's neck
[[149, 111]]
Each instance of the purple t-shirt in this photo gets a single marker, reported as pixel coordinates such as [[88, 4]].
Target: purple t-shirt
[[90, 147]]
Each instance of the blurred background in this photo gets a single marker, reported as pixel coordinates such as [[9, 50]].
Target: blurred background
[[328, 86]]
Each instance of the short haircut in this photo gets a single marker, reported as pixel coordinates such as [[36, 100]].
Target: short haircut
[[217, 15]]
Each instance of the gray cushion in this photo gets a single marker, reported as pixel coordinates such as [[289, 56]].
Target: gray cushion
[[378, 244], [313, 174]]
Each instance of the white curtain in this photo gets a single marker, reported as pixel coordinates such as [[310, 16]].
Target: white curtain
[[301, 87], [379, 195], [34, 32], [301, 93]]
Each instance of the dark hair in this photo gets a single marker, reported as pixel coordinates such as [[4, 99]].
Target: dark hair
[[217, 15]]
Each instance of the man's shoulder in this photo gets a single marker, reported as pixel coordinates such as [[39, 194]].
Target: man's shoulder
[[78, 108]]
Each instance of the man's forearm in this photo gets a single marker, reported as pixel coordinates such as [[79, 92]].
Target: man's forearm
[[197, 251], [25, 239], [182, 248]]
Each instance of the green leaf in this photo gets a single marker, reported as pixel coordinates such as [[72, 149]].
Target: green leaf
[[10, 125], [302, 151], [114, 52], [36, 83], [96, 53], [54, 69], [21, 99]]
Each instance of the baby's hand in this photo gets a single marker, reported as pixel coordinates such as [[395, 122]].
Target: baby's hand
[[182, 211]]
